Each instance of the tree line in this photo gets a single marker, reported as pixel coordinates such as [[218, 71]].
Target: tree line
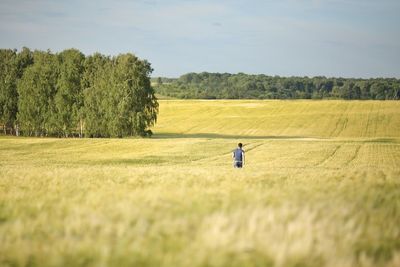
[[207, 85], [69, 94]]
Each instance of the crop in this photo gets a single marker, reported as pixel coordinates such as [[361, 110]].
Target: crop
[[320, 187]]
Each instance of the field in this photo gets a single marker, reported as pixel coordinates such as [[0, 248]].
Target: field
[[321, 187]]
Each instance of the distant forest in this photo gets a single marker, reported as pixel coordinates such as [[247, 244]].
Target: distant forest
[[207, 85], [69, 94]]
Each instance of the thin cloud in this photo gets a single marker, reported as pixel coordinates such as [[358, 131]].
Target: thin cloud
[[288, 37]]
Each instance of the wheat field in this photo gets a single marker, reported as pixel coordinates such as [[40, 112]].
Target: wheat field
[[320, 187]]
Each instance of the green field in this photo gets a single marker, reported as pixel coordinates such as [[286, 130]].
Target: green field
[[321, 187]]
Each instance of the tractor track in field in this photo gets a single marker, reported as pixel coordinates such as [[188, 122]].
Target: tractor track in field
[[356, 152], [226, 154], [254, 147], [341, 123], [330, 156], [365, 133]]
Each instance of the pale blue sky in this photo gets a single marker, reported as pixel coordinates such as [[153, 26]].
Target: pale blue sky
[[347, 38]]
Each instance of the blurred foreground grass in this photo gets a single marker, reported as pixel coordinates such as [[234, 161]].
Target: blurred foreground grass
[[306, 197]]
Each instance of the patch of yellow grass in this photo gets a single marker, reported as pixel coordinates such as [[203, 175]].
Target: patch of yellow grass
[[300, 118], [320, 188]]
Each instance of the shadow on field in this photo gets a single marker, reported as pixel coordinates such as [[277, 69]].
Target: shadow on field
[[222, 136]]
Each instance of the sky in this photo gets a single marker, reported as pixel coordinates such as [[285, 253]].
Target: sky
[[333, 38]]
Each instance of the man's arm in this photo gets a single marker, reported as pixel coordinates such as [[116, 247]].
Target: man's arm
[[243, 157]]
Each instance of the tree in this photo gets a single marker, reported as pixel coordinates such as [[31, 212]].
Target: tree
[[119, 100], [37, 89], [95, 83], [8, 89], [135, 105], [24, 60], [69, 96], [396, 92], [217, 85], [378, 90]]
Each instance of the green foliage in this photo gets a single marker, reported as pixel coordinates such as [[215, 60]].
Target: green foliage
[[37, 90], [8, 88], [94, 82], [69, 97], [119, 100], [242, 86], [68, 94]]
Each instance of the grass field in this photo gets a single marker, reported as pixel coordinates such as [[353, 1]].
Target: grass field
[[321, 187]]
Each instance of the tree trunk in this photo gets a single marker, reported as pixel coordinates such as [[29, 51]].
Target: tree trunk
[[16, 130], [81, 126]]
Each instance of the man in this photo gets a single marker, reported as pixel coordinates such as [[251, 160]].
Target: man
[[238, 156]]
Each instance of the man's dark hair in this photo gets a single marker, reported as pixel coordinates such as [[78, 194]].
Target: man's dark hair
[[240, 145]]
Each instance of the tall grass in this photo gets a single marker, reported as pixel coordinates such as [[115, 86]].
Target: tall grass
[[314, 191]]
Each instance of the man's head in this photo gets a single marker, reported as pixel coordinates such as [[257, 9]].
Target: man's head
[[240, 145]]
